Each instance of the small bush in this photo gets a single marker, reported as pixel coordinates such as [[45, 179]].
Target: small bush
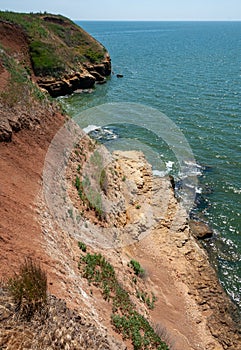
[[28, 288], [82, 246], [138, 270]]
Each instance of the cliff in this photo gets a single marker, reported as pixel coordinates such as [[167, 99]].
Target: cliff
[[109, 285], [48, 52]]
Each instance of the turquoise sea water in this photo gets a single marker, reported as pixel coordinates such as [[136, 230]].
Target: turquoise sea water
[[190, 71]]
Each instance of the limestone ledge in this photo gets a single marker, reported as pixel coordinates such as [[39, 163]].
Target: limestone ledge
[[88, 75]]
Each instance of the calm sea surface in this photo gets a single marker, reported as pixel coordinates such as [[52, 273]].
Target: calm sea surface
[[190, 71]]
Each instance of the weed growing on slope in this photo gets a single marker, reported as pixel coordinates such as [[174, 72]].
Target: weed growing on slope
[[28, 288], [138, 270]]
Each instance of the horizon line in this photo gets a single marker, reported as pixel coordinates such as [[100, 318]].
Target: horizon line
[[159, 20]]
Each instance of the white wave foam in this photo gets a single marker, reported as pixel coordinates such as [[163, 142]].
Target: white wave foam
[[90, 128], [169, 165], [159, 173]]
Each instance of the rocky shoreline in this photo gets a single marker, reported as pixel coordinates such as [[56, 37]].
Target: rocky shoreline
[[86, 78], [192, 307]]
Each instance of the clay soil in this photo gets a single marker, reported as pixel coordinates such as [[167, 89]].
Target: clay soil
[[21, 165]]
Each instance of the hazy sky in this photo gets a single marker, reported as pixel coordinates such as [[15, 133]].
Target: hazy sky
[[132, 9]]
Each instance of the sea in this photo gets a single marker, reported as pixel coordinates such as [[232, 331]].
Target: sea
[[191, 73]]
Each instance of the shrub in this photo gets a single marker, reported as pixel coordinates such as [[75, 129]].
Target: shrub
[[28, 288], [82, 246], [138, 270]]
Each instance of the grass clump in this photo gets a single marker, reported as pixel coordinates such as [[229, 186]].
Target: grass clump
[[28, 288], [126, 320], [135, 327], [138, 270], [82, 246], [103, 181]]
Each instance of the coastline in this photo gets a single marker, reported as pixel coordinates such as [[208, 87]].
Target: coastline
[[145, 222], [192, 309]]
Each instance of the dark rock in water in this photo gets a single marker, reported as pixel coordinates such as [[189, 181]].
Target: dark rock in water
[[200, 230], [119, 75], [172, 182]]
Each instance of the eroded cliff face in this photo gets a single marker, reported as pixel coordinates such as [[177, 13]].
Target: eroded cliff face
[[192, 311]]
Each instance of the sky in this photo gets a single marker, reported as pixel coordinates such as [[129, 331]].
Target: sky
[[131, 9]]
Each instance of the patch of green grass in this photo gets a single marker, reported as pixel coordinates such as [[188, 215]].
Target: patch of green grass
[[135, 327], [45, 60], [94, 56], [103, 181], [20, 88], [77, 182], [148, 300]]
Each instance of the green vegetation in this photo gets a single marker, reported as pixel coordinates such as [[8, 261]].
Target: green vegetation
[[20, 87], [135, 327], [82, 246], [138, 270], [94, 56], [149, 301], [126, 320], [103, 181], [77, 183], [45, 60], [57, 45], [28, 288]]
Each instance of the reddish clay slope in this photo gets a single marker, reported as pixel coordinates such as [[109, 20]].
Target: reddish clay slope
[[21, 163]]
